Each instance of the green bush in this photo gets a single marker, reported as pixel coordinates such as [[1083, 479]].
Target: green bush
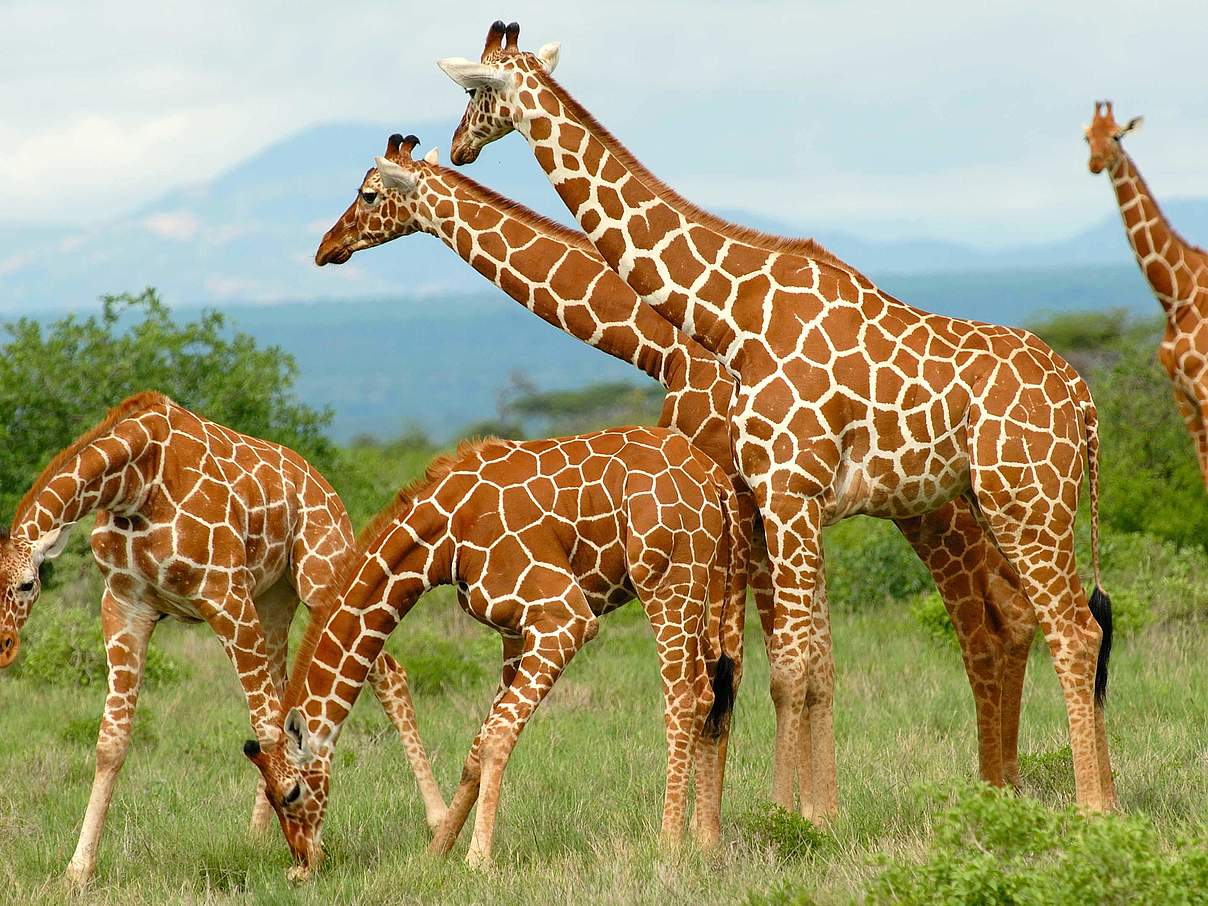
[[62, 646], [992, 847], [868, 562], [930, 613], [58, 378], [787, 835]]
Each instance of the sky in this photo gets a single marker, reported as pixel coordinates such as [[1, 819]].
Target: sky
[[934, 119]]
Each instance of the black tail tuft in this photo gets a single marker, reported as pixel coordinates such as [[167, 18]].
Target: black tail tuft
[[723, 696], [1101, 610]]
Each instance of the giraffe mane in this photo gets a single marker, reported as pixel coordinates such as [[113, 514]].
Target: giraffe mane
[[523, 213], [1175, 234], [139, 402], [806, 247], [324, 605]]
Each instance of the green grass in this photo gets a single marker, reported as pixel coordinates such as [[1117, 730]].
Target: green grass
[[582, 795]]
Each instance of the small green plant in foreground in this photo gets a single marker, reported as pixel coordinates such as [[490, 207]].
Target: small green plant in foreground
[[994, 847]]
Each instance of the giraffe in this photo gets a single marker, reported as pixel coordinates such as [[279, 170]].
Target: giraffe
[[557, 274], [1177, 272], [197, 522], [848, 401], [540, 539]]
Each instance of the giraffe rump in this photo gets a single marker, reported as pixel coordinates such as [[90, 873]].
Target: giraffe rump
[[139, 402]]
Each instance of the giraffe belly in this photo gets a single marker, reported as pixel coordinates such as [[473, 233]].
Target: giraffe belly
[[910, 486]]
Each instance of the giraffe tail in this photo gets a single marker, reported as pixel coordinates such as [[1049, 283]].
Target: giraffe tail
[[1100, 603], [734, 595]]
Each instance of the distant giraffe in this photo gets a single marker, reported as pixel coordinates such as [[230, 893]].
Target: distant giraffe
[[540, 538], [198, 522], [557, 274], [1177, 272], [849, 401]]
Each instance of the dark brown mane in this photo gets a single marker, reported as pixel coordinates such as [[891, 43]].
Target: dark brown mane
[[324, 605], [127, 407], [526, 215], [807, 248]]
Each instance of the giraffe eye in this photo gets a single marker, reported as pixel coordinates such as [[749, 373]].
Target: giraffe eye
[[293, 795], [26, 587], [369, 197]]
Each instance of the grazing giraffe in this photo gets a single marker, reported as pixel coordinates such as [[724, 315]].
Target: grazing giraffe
[[1177, 272], [554, 272], [849, 401], [540, 538], [198, 522]]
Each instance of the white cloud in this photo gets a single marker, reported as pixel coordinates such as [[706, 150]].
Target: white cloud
[[181, 226], [938, 116]]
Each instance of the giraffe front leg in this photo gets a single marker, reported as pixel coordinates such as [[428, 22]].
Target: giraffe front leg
[[1195, 416], [127, 630], [548, 647], [389, 682], [803, 673], [232, 616], [276, 612], [466, 794]]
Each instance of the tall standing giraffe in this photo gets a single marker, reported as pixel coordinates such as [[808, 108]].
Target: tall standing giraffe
[[1177, 272], [540, 538], [197, 522], [557, 274], [849, 401]]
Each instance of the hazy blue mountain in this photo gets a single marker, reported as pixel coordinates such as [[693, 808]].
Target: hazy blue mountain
[[440, 362], [249, 234]]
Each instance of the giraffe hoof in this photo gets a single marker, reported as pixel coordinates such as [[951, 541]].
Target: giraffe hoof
[[436, 819], [477, 860], [298, 874], [77, 875]]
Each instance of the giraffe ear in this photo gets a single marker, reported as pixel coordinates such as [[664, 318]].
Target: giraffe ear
[[548, 55], [393, 176], [433, 156], [51, 544], [469, 74], [1131, 126], [297, 739]]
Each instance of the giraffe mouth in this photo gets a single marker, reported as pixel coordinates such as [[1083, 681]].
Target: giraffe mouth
[[461, 155], [334, 255], [10, 644]]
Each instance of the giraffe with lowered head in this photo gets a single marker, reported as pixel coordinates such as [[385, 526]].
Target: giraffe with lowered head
[[554, 272], [1177, 272], [197, 522], [540, 539], [849, 401]]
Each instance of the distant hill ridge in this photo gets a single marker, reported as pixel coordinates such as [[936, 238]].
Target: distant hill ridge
[[249, 234]]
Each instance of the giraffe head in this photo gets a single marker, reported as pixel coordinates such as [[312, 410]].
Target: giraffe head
[[21, 564], [1103, 134], [297, 775], [385, 207], [494, 85]]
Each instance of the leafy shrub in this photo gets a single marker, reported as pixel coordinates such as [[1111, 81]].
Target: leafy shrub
[[993, 847], [869, 562], [1154, 580], [58, 378], [930, 613], [1047, 774], [788, 835], [63, 647]]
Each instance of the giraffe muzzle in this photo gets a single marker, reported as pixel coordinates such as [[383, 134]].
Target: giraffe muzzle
[[10, 644]]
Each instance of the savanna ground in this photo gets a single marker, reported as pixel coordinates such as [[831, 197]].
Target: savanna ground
[[582, 795]]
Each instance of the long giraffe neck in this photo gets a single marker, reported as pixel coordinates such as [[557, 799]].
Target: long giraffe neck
[[1165, 258], [666, 249], [110, 472], [413, 554], [556, 274]]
